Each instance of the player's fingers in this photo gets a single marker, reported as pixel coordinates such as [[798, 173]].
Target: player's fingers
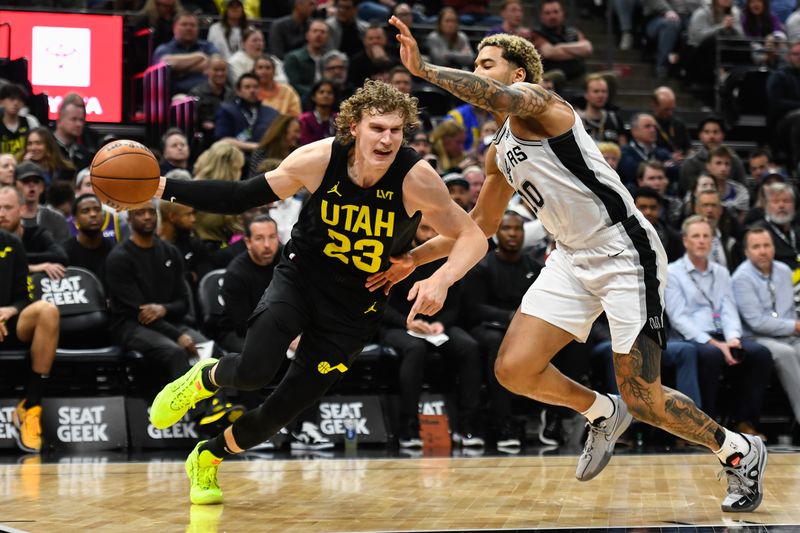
[[413, 292], [3, 330], [388, 287]]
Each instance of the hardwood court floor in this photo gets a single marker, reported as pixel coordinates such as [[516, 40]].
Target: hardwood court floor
[[387, 495]]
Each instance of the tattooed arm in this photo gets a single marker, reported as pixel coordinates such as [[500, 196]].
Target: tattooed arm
[[524, 100]]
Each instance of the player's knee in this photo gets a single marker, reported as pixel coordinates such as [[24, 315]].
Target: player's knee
[[512, 375], [49, 315]]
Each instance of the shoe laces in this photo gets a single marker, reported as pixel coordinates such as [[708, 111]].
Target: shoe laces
[[207, 477], [595, 431], [737, 481], [184, 397]]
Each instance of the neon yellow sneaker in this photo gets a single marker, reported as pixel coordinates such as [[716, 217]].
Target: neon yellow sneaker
[[179, 396], [29, 427], [201, 467]]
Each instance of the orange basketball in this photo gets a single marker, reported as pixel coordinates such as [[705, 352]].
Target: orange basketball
[[124, 174]]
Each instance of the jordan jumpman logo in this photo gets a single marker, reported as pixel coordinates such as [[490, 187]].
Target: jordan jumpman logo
[[335, 189], [371, 308]]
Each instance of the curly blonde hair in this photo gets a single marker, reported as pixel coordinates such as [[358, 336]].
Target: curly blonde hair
[[376, 98], [519, 51]]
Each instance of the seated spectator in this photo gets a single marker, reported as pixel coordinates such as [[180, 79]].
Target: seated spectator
[[158, 15], [375, 53], [650, 203], [447, 142], [33, 326], [333, 67], [726, 249], [759, 163], [673, 135], [8, 165], [211, 93], [59, 197], [458, 187], [301, 64], [186, 54], [704, 183], [603, 125], [512, 14], [244, 121], [400, 78], [246, 279], [562, 47], [41, 148], [288, 33], [69, 132], [174, 150], [664, 20], [641, 147], [461, 349], [280, 140], [756, 213], [43, 252], [475, 177], [474, 12], [718, 19], [783, 105], [757, 20], [403, 12], [734, 195], [763, 291], [30, 182], [711, 134], [88, 249], [346, 28], [13, 126], [702, 310], [611, 153], [447, 45], [223, 161], [114, 225], [226, 33], [493, 291], [149, 301], [278, 95], [244, 59], [651, 174], [779, 220], [472, 118], [319, 122], [177, 223]]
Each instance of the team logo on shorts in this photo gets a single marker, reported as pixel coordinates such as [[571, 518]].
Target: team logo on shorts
[[324, 367]]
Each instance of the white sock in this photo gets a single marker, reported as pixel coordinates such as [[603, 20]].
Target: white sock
[[734, 443], [602, 407]]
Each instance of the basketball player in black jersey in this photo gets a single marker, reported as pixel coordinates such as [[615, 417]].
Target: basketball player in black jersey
[[368, 193], [608, 259]]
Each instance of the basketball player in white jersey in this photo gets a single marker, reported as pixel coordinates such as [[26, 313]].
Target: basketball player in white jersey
[[608, 258]]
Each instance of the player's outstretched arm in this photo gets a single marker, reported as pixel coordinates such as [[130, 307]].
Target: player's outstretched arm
[[304, 167], [525, 100]]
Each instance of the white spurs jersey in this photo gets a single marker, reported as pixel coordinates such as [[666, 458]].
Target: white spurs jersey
[[565, 181]]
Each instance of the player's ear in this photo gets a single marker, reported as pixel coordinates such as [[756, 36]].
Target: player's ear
[[353, 125], [519, 75]]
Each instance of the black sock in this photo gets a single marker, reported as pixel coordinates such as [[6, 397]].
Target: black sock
[[218, 447], [205, 376], [33, 392]]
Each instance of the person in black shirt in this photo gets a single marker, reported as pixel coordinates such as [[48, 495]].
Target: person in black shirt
[[493, 292], [367, 193], [246, 279], [88, 249], [43, 252], [14, 128], [651, 204], [461, 350], [33, 326], [177, 222]]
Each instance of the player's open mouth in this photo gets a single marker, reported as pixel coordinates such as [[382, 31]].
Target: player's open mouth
[[382, 153]]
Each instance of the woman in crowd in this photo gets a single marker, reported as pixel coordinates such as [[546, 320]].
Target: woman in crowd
[[7, 167], [720, 18], [281, 96], [319, 122], [222, 161], [758, 21], [226, 34], [244, 59], [41, 148], [447, 45], [447, 142], [282, 137]]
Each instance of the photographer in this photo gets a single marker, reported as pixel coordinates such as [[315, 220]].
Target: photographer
[[700, 305]]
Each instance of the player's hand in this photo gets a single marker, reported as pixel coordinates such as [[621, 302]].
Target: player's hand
[[186, 342], [725, 348], [437, 328], [428, 296], [6, 313], [420, 326], [295, 343], [53, 270], [402, 266], [409, 50], [149, 313]]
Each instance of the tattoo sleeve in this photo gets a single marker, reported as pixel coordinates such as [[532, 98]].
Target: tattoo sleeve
[[520, 99]]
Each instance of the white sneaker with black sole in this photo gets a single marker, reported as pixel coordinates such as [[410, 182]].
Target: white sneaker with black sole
[[310, 438], [603, 435], [468, 440], [744, 473]]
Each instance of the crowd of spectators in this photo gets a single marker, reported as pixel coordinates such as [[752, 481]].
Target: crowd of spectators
[[728, 224]]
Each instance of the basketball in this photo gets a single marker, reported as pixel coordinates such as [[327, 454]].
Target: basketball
[[124, 174]]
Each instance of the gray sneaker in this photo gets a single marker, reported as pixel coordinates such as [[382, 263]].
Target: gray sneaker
[[744, 474], [600, 442]]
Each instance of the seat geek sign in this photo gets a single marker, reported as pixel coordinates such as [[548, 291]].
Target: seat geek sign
[[84, 424]]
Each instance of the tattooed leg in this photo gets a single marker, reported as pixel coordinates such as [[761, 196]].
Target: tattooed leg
[[639, 381]]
